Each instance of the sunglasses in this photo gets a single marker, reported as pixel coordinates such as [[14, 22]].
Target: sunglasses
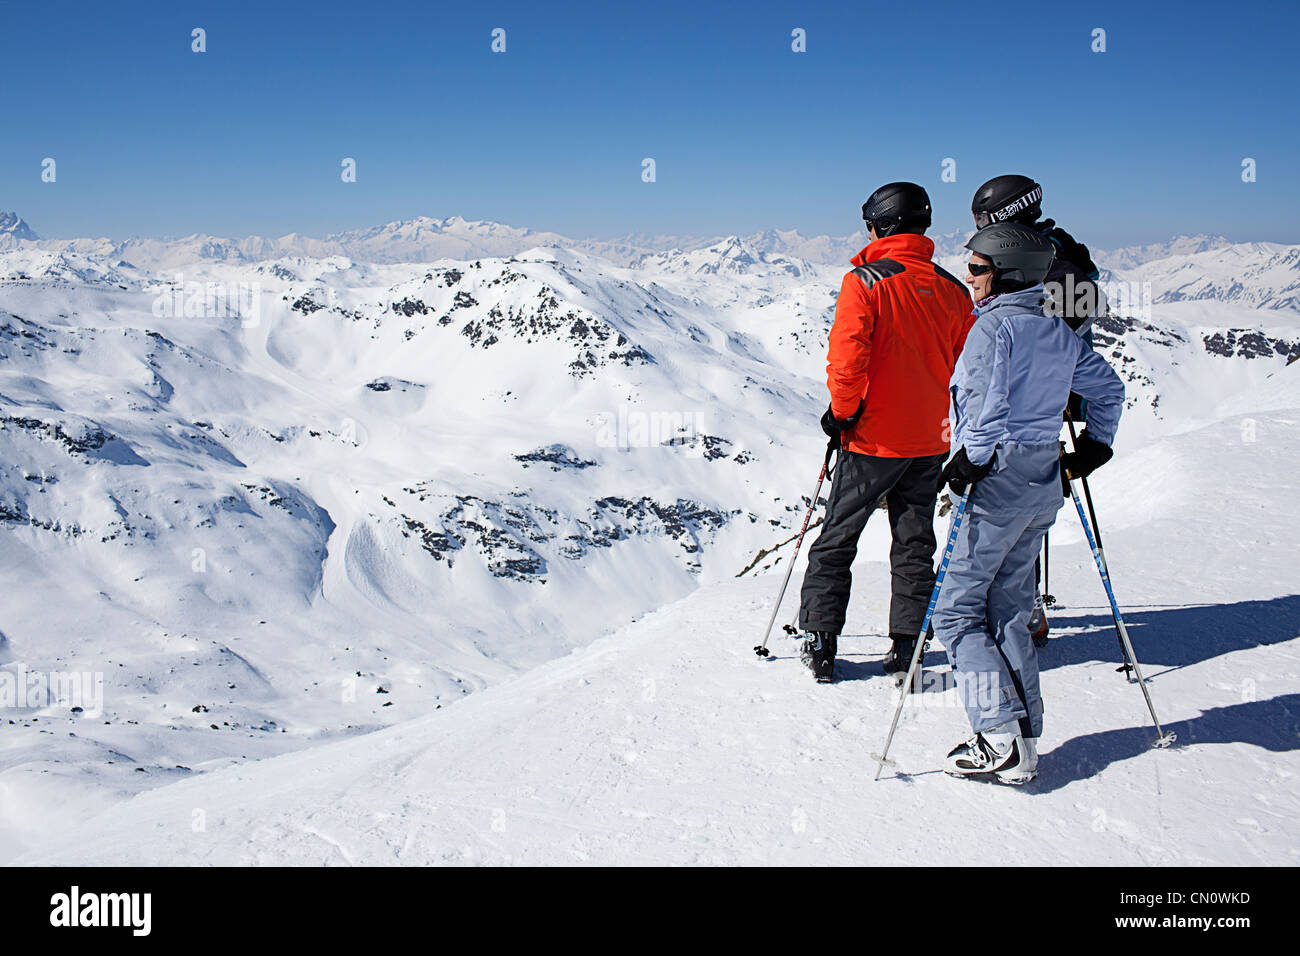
[[976, 269]]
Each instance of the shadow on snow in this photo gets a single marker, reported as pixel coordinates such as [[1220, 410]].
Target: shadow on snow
[[1272, 724], [1163, 639], [1174, 637]]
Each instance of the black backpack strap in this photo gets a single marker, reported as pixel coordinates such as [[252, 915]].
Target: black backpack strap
[[1071, 250]]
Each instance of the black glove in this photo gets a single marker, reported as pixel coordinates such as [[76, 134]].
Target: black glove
[[960, 472], [1087, 457], [835, 427]]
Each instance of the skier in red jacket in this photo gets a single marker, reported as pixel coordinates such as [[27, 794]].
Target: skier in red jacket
[[900, 323]]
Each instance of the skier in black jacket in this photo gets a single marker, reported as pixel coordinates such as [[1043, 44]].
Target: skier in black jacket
[[1071, 283], [1072, 279]]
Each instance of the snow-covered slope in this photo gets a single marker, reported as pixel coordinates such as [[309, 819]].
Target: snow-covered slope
[[273, 501], [1263, 275], [669, 742], [351, 493]]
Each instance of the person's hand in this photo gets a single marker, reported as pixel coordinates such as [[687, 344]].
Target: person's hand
[[961, 471], [835, 427], [1087, 457]]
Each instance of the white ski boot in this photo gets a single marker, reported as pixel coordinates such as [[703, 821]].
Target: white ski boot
[[1002, 752]]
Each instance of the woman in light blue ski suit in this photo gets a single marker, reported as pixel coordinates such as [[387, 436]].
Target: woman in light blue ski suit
[[1009, 391]]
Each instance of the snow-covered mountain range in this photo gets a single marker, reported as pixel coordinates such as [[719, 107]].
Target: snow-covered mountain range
[[1259, 274], [271, 492], [422, 239]]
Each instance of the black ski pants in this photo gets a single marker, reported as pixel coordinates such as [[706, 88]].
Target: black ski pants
[[859, 482]]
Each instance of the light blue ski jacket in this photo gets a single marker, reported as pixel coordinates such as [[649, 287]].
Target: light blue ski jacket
[[1009, 391]]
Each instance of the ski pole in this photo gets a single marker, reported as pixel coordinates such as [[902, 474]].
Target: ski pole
[[761, 649], [1049, 599], [919, 651], [792, 628], [1092, 516], [1087, 492], [1163, 739]]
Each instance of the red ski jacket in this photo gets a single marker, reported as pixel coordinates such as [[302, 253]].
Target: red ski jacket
[[900, 324]]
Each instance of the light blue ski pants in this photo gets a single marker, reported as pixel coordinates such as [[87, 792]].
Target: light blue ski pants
[[982, 619]]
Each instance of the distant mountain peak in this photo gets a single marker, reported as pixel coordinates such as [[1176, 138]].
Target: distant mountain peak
[[1181, 245], [15, 227]]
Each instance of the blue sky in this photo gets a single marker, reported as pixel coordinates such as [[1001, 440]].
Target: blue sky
[[1135, 144]]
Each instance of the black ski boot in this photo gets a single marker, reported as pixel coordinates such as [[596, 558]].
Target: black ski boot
[[899, 658], [818, 653], [1038, 626]]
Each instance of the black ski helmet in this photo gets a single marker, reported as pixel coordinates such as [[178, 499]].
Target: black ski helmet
[[1009, 198], [895, 206], [1021, 255]]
